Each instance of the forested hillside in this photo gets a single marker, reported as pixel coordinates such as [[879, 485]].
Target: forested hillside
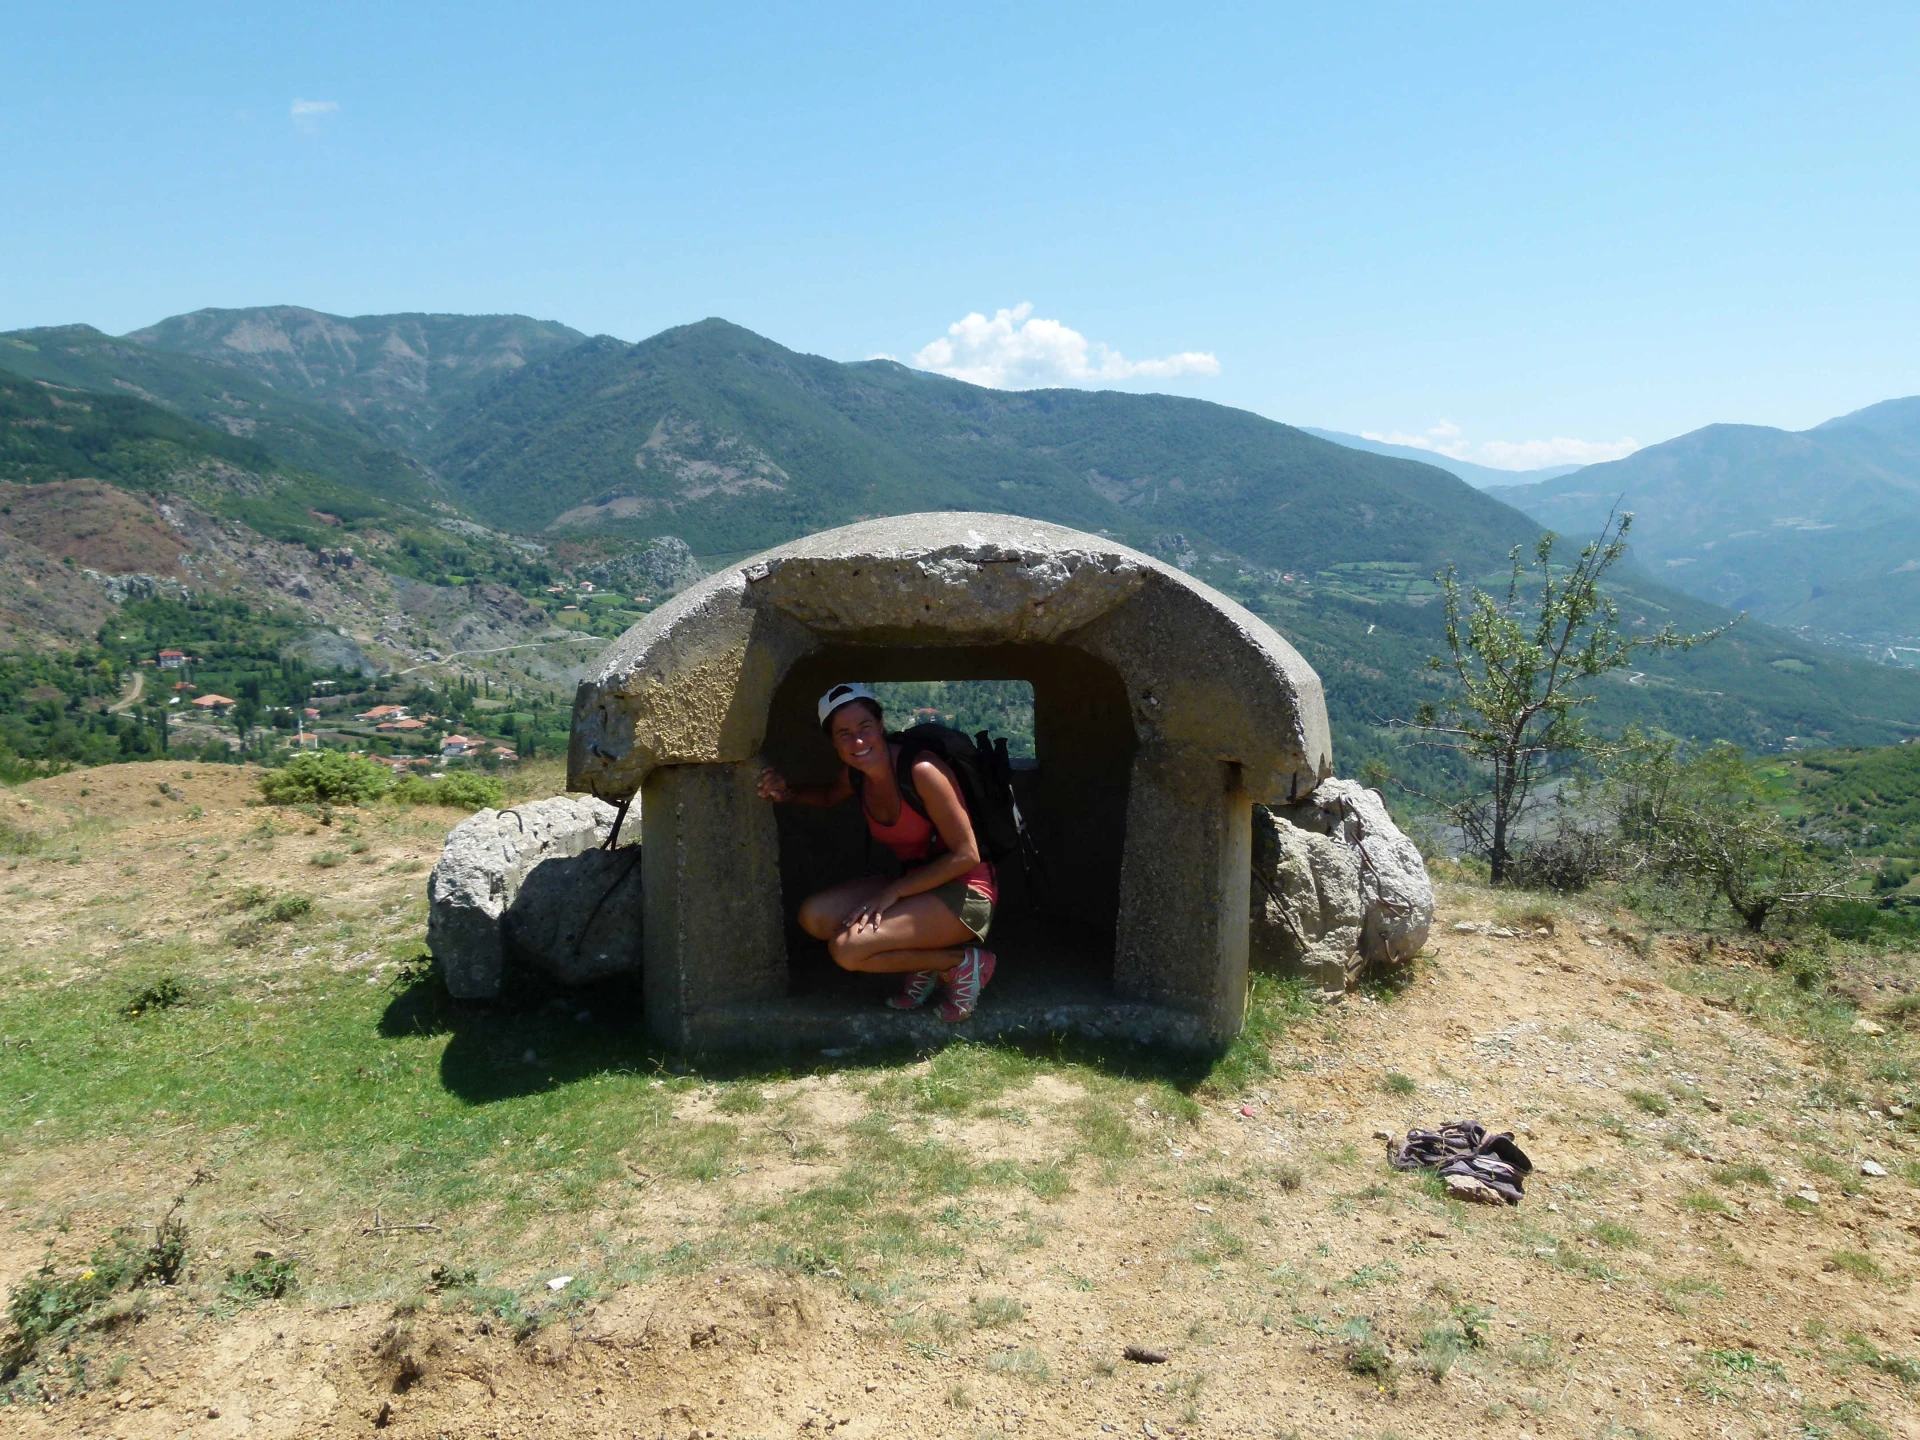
[[713, 433], [305, 435], [396, 374]]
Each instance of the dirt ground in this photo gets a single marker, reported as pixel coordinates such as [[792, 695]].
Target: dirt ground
[[1699, 1252]]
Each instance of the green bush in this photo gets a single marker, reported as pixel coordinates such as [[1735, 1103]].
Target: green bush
[[461, 789], [329, 776]]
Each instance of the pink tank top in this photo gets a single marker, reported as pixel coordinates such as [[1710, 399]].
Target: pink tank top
[[915, 840]]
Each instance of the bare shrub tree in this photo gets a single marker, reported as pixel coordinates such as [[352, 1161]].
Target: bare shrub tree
[[1524, 667], [1703, 819]]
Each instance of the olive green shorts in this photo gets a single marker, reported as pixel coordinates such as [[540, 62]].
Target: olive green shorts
[[974, 910]]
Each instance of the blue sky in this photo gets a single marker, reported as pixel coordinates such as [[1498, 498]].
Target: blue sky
[[1513, 232]]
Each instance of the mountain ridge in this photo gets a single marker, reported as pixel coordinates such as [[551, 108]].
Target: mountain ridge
[[1817, 530]]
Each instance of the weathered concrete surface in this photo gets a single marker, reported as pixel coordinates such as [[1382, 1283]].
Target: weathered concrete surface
[[481, 869], [1213, 711], [1338, 848], [711, 882], [1308, 910], [1183, 897], [579, 918]]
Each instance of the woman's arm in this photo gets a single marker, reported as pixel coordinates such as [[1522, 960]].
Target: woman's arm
[[774, 787]]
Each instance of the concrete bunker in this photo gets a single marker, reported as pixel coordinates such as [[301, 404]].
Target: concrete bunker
[[1162, 713]]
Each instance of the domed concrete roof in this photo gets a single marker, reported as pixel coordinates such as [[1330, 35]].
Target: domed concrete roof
[[691, 684]]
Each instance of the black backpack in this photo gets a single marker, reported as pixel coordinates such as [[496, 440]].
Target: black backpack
[[986, 785]]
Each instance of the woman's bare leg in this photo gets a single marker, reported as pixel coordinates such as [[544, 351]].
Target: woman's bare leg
[[919, 933], [821, 915]]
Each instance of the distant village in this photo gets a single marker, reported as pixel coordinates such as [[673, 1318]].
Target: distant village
[[390, 732]]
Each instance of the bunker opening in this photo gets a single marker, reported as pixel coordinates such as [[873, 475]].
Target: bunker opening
[[1065, 716]]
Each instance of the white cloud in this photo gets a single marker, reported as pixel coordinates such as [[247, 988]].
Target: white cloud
[[1014, 351], [309, 115], [1448, 439]]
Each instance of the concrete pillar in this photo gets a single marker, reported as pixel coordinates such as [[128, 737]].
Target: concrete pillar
[[1184, 885], [710, 876]]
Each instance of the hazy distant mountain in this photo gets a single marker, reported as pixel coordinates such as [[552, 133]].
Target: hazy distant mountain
[[399, 374], [303, 434], [1818, 530], [1481, 476]]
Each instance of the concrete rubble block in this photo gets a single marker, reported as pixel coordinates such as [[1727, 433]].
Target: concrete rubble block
[[1308, 909], [485, 861], [579, 918]]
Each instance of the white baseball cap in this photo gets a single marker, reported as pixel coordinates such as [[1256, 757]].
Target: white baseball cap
[[840, 694]]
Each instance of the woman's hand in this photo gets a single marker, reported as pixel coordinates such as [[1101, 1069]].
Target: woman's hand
[[868, 916], [773, 786]]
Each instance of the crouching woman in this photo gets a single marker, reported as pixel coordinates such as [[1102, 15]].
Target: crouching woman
[[928, 923]]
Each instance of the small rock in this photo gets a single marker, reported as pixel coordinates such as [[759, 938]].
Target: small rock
[[1595, 941], [1383, 1135], [1867, 1027], [559, 1282], [1143, 1355], [1808, 1194], [1872, 1167], [1711, 1103], [1898, 1112], [1247, 1110], [1204, 1209]]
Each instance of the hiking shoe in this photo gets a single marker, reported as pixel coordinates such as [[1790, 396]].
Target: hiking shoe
[[964, 984], [917, 991]]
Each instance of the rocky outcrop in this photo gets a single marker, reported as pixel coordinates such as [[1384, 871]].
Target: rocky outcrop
[[331, 650], [662, 567], [1338, 888], [481, 873]]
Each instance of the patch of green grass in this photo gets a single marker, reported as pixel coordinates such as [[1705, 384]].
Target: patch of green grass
[[1381, 1272], [1274, 1007], [1704, 1202], [1861, 1267], [1211, 1243], [1862, 1351], [1744, 1362], [1394, 1083], [326, 859], [1749, 1174], [1651, 1101], [741, 1100], [1827, 1165], [992, 1311], [1026, 1364], [1104, 1130], [1615, 1236]]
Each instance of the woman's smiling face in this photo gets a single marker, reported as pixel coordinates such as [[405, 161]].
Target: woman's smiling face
[[858, 736]]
